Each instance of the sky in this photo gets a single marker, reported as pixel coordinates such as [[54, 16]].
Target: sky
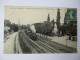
[[29, 15]]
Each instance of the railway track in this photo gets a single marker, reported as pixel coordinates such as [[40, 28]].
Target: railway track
[[44, 46], [32, 45], [48, 47], [37, 46], [59, 47]]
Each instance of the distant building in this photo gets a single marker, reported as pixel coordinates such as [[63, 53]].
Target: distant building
[[7, 23], [48, 18], [6, 28]]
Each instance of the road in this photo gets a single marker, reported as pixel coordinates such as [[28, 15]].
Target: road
[[11, 44]]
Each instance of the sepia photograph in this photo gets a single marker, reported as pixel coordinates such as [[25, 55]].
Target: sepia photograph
[[39, 30]]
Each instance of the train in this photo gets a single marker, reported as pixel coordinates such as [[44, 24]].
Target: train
[[31, 34]]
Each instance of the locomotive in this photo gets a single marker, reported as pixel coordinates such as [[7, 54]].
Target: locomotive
[[31, 34]]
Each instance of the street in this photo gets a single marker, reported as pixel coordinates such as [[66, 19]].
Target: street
[[11, 44]]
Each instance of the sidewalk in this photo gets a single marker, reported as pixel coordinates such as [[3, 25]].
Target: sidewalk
[[64, 40]]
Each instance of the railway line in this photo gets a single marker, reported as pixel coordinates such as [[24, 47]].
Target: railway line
[[31, 44], [19, 42], [42, 45], [49, 48], [37, 46], [59, 47]]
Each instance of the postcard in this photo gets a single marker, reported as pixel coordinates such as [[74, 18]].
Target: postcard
[[37, 30]]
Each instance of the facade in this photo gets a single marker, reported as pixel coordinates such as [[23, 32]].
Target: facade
[[7, 23]]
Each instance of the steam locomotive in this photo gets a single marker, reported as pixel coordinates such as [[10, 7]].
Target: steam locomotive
[[31, 34]]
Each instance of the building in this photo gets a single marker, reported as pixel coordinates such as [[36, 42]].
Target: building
[[7, 23]]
